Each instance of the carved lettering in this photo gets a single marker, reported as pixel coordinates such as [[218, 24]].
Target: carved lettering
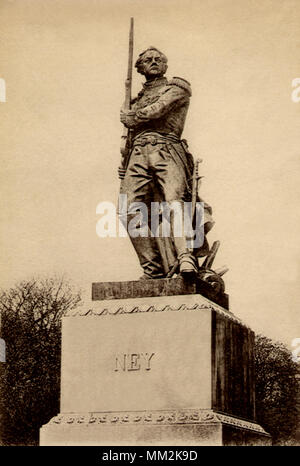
[[147, 357], [121, 362], [133, 362]]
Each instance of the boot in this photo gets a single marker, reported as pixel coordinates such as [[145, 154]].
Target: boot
[[187, 264], [149, 257], [187, 261]]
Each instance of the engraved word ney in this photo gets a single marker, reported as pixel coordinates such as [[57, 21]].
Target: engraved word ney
[[133, 362]]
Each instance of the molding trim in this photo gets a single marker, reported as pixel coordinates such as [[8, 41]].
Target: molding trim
[[153, 304], [161, 417]]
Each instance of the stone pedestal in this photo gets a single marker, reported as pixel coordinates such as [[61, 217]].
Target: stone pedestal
[[155, 370]]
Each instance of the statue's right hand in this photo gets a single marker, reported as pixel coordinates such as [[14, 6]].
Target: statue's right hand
[[128, 118], [122, 116], [121, 173]]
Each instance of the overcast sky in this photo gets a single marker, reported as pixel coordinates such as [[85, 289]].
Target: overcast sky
[[64, 63]]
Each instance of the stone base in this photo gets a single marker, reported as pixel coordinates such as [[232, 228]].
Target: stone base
[[159, 287], [155, 364], [155, 428]]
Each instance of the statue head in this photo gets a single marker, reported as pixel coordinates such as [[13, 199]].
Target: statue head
[[151, 63]]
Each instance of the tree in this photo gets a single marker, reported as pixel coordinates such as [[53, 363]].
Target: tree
[[31, 315], [276, 389]]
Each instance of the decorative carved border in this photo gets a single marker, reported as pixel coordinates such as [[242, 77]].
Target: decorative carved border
[[141, 305], [233, 421], [169, 417], [144, 308]]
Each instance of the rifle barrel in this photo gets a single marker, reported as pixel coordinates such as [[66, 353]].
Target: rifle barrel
[[130, 59]]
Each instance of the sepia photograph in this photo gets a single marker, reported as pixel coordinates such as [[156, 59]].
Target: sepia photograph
[[150, 224]]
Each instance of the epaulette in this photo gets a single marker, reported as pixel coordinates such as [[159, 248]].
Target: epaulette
[[180, 82]]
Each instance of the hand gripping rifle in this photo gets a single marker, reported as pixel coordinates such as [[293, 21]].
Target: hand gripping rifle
[[126, 139]]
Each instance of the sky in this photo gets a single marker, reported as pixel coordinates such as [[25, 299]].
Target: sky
[[64, 63]]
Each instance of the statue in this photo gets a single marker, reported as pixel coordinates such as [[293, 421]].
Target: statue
[[158, 167]]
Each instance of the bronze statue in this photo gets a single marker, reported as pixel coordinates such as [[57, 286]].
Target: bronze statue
[[160, 167], [157, 168]]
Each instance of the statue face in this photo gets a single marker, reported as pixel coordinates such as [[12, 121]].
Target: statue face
[[152, 65]]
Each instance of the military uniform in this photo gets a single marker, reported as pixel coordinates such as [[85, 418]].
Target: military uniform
[[160, 167]]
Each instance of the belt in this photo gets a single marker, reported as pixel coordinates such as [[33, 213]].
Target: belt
[[153, 140]]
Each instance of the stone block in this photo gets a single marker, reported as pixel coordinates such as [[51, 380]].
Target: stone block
[[155, 370]]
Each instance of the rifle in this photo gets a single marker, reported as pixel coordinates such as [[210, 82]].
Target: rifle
[[126, 139]]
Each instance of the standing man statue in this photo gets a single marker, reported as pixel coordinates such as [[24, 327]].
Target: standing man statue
[[160, 167]]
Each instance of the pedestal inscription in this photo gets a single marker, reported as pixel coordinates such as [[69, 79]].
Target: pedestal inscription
[[133, 362]]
